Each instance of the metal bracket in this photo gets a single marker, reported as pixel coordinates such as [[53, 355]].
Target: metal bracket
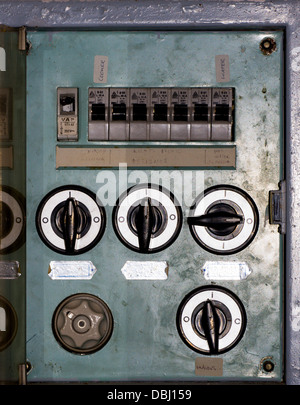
[[277, 207]]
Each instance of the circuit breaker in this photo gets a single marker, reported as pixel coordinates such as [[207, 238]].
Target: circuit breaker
[[154, 220], [161, 114]]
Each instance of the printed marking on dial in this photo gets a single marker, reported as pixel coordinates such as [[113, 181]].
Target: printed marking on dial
[[230, 320], [12, 219], [88, 215], [161, 222]]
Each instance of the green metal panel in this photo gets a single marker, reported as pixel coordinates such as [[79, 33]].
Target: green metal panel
[[12, 175], [145, 344]]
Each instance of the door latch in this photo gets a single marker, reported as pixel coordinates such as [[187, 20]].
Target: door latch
[[277, 207]]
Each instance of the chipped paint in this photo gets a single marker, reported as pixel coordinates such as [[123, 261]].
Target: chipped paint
[[226, 13]]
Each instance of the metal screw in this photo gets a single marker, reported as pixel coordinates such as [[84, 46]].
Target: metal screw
[[267, 46], [268, 366]]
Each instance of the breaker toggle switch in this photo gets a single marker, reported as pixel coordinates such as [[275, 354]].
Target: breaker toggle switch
[[211, 320], [98, 114], [119, 114], [222, 117], [180, 127], [70, 220], [139, 114], [160, 115], [147, 218]]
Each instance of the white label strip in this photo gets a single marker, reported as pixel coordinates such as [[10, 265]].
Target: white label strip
[[100, 69], [9, 270], [145, 270], [71, 270], [222, 68], [226, 270]]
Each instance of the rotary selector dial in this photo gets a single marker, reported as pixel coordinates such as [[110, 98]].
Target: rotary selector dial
[[12, 219], [8, 323], [147, 218], [211, 320], [70, 220], [223, 220], [82, 323]]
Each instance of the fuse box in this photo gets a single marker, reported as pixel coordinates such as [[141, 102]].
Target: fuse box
[[176, 114], [150, 255]]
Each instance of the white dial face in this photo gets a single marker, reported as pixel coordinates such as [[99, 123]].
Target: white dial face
[[158, 198], [17, 221], [229, 308], [86, 200], [235, 241]]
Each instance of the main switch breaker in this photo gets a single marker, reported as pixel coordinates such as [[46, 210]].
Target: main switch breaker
[[67, 114], [160, 114]]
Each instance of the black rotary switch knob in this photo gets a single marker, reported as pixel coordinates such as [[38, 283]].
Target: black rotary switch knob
[[144, 224], [70, 224], [147, 218], [210, 323], [223, 220], [211, 320], [70, 220]]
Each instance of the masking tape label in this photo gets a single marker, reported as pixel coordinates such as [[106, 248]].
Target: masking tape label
[[222, 68], [209, 367], [100, 69]]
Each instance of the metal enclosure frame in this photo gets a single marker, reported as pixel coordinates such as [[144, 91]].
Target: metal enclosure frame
[[207, 15]]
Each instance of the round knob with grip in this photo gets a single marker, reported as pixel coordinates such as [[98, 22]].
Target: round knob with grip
[[82, 323]]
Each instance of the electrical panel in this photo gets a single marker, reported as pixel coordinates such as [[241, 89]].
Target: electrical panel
[[154, 207]]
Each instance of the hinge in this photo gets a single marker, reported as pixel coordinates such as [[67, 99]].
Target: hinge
[[22, 39], [277, 207]]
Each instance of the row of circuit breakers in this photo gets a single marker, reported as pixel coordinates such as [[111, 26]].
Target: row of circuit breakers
[[148, 114]]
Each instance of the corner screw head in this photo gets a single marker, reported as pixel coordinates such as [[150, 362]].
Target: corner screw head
[[267, 46], [267, 365]]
